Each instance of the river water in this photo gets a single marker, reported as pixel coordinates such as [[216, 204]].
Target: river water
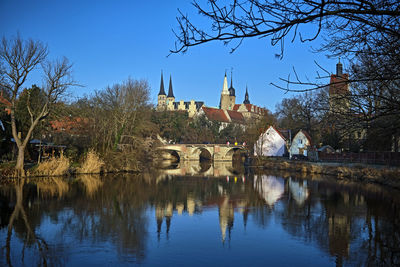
[[198, 216]]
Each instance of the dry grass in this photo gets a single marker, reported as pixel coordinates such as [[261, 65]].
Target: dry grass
[[92, 163], [53, 167]]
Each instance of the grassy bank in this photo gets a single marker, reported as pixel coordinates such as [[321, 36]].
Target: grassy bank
[[353, 172], [92, 163]]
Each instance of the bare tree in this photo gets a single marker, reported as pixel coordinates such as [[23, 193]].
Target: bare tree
[[348, 28], [118, 109], [18, 59], [239, 20]]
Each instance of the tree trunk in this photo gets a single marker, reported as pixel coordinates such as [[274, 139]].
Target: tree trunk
[[19, 167]]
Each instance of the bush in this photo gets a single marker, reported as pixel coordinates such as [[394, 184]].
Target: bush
[[55, 166], [92, 163]]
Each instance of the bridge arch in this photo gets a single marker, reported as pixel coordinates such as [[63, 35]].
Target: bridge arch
[[202, 152], [229, 154], [173, 154]]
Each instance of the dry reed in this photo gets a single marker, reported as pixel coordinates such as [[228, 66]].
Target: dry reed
[[92, 163], [55, 166]]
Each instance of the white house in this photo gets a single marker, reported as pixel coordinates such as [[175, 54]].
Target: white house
[[300, 143], [270, 143]]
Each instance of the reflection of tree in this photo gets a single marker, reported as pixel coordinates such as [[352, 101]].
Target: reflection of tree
[[340, 220], [31, 237], [114, 211]]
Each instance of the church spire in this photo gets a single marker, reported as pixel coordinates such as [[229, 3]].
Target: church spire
[[231, 89], [162, 92], [246, 97], [170, 91], [225, 90]]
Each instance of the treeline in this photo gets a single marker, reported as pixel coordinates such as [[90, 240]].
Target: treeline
[[120, 124]]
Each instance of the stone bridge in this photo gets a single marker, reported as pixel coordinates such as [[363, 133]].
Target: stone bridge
[[191, 152]]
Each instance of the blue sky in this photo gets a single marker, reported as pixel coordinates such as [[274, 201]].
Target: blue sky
[[109, 41]]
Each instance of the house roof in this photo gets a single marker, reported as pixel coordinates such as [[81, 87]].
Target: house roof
[[279, 132], [236, 117], [305, 134], [249, 108], [70, 125], [6, 103], [215, 114], [339, 84]]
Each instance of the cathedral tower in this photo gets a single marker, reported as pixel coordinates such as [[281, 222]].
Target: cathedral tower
[[170, 96], [232, 96], [246, 97], [161, 104]]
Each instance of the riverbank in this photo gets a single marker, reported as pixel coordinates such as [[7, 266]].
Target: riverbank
[[63, 166], [383, 175]]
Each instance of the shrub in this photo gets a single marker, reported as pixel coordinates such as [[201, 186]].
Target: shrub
[[92, 163], [55, 166]]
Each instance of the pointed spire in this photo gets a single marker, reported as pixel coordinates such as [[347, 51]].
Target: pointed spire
[[246, 97], [225, 90], [339, 69], [170, 91], [231, 79], [231, 89], [162, 92]]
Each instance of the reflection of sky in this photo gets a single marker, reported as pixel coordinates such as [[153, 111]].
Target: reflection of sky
[[192, 241], [196, 241], [269, 187]]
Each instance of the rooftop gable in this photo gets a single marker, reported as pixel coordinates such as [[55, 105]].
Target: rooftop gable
[[215, 114]]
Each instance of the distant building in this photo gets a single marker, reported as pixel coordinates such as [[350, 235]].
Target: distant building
[[4, 102], [300, 143], [167, 102], [225, 117], [271, 143], [339, 91], [228, 109]]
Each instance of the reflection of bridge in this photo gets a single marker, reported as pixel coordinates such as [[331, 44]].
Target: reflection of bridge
[[192, 168], [216, 152]]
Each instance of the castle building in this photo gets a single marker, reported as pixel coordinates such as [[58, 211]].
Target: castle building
[[168, 103], [228, 111]]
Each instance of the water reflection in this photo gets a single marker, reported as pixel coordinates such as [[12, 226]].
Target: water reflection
[[122, 219], [201, 168]]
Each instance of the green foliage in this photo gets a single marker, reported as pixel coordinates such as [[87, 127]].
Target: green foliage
[[171, 125], [30, 100]]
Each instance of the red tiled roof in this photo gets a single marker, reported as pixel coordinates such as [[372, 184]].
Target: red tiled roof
[[339, 84], [6, 103], [215, 114], [248, 107], [70, 125], [283, 137], [236, 117]]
